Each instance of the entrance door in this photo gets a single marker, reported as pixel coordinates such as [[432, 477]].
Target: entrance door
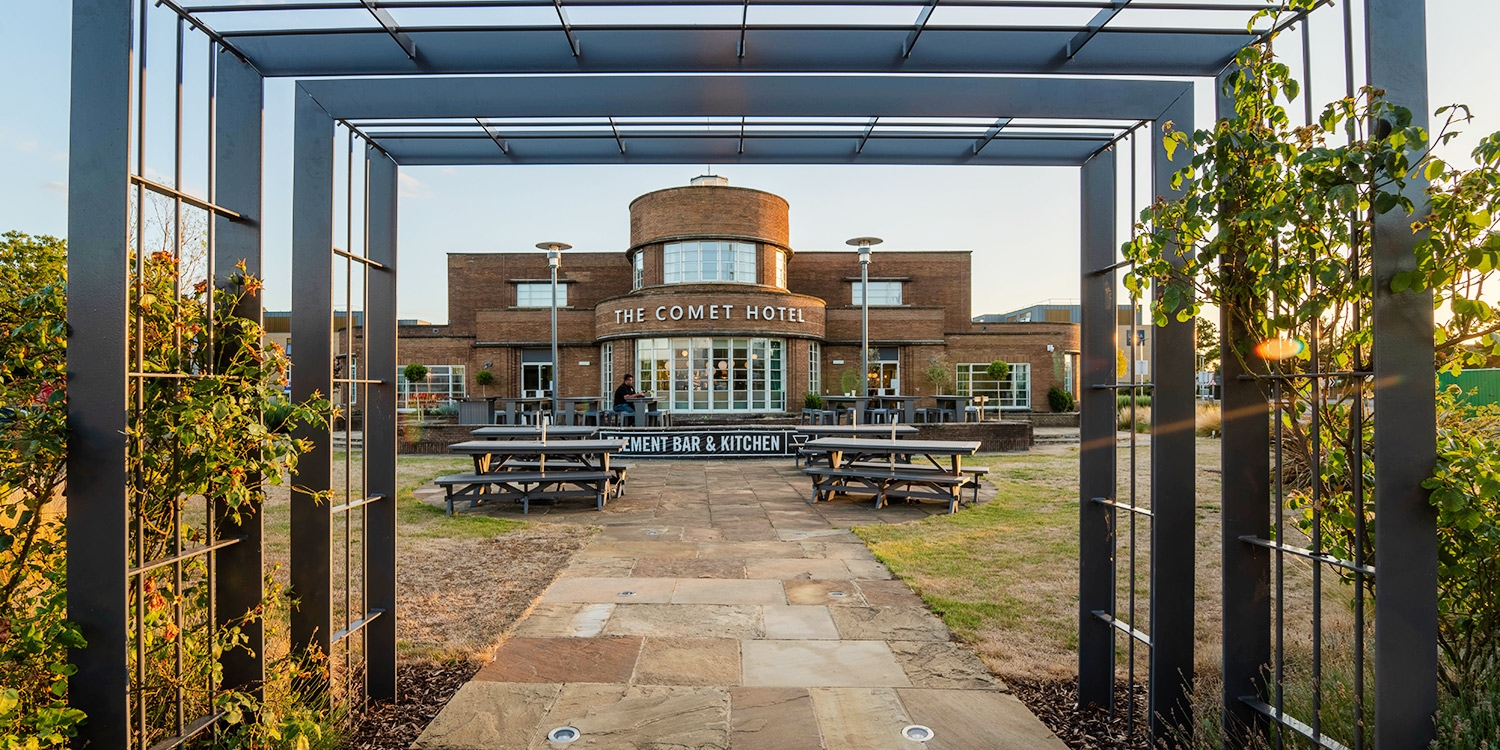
[[885, 371], [536, 373]]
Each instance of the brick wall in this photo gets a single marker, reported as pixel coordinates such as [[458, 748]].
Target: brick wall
[[708, 210], [936, 279]]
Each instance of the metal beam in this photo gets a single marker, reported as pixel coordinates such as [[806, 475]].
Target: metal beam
[[744, 24], [748, 95], [312, 366], [383, 17], [619, 142], [1245, 463], [380, 427], [1096, 430], [98, 254], [1096, 25], [1173, 485], [911, 38], [237, 111], [1406, 552]]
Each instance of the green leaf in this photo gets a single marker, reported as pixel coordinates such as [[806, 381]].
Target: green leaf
[[1434, 169]]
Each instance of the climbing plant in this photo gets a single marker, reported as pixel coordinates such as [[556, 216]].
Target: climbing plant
[[1278, 217]]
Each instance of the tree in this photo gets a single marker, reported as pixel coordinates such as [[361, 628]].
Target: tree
[[998, 371], [414, 373], [1207, 335], [485, 379]]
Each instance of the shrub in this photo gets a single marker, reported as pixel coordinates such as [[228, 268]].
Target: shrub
[[1122, 400], [1142, 419], [812, 401], [1060, 400], [1470, 721], [1209, 421], [485, 379], [849, 381]]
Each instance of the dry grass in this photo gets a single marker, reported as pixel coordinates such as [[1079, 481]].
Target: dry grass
[[462, 582]]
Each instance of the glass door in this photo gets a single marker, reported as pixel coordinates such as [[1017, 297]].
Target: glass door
[[535, 376], [885, 371]]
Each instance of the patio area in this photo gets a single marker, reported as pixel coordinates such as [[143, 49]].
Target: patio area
[[718, 609]]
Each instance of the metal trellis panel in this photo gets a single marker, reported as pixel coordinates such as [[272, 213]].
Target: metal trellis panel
[[98, 255], [1096, 459], [1406, 620], [1173, 450], [238, 139], [380, 428], [312, 369]]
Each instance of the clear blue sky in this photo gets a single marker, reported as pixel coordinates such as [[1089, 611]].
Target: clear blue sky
[[1021, 223]]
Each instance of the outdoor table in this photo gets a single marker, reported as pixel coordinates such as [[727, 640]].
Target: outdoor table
[[529, 432], [954, 403], [491, 456], [570, 406], [513, 404], [641, 405], [906, 405], [813, 432], [857, 404], [870, 466]]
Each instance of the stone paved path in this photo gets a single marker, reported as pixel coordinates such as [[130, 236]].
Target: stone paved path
[[718, 609]]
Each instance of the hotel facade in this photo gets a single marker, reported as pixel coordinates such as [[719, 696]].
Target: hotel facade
[[711, 309]]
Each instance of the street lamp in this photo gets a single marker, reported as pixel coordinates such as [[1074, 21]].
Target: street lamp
[[864, 243], [554, 258]]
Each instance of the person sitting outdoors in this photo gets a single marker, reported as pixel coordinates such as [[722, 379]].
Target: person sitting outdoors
[[625, 394]]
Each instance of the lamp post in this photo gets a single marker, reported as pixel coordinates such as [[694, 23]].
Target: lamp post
[[554, 259], [864, 244]]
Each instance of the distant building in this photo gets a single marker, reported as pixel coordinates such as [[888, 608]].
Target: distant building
[[1132, 341], [710, 307]]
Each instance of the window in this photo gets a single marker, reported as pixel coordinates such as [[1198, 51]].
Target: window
[[1012, 393], [713, 375], [814, 367], [710, 260], [536, 373], [780, 269], [638, 270], [540, 295], [607, 367], [882, 293], [444, 384], [885, 371]]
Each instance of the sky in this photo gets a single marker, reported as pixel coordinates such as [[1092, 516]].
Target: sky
[[1021, 223]]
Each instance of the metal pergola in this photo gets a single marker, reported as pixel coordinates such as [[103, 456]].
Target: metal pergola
[[502, 82]]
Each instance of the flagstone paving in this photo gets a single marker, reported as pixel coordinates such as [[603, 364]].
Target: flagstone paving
[[717, 609]]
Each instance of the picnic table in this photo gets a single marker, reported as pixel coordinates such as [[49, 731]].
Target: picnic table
[[884, 468], [954, 404], [813, 432], [528, 432], [906, 405], [531, 470]]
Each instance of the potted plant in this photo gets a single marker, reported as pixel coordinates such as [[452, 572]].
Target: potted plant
[[849, 382], [812, 401], [415, 373], [485, 379], [998, 371], [937, 374]]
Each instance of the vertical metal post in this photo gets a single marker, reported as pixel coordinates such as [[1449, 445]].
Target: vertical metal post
[[1172, 484], [312, 367], [98, 255], [552, 261], [238, 138], [864, 321], [1246, 501], [1406, 621], [380, 429], [1096, 457]]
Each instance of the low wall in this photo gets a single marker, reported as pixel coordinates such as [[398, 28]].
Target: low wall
[[1048, 419], [993, 436]]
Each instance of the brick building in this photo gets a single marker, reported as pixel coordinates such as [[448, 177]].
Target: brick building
[[711, 308]]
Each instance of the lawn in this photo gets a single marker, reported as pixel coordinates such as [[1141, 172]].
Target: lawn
[[1004, 575]]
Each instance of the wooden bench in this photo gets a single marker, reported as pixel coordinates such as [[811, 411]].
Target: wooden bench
[[528, 485], [883, 483], [972, 474], [619, 469]]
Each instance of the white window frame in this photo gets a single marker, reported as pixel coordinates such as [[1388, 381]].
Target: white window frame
[[882, 294], [1014, 393], [527, 294], [814, 367], [684, 262], [607, 367], [753, 380], [781, 269], [638, 270], [446, 382]]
